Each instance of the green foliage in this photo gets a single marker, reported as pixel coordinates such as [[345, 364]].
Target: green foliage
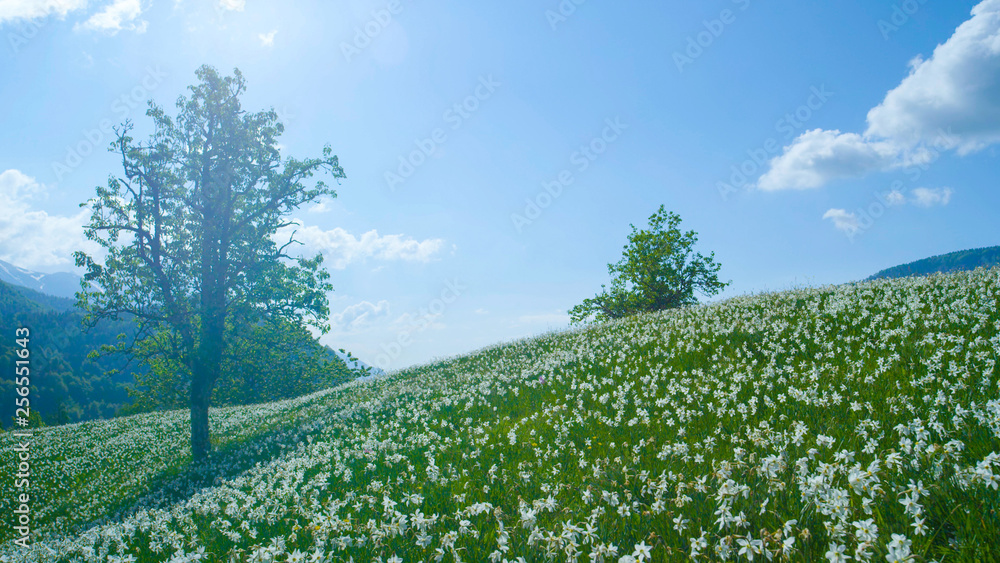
[[658, 270], [951, 262], [188, 232], [277, 359], [273, 360], [67, 385]]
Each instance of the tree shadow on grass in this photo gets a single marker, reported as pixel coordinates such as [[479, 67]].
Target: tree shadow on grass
[[227, 461]]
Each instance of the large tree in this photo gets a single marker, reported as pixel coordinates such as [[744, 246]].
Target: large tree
[[658, 270], [268, 361], [188, 231]]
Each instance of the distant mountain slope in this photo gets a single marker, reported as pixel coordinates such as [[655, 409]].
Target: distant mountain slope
[[60, 284], [352, 361], [60, 304], [68, 387], [951, 262]]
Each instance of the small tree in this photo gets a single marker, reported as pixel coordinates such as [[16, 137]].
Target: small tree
[[188, 235], [658, 270]]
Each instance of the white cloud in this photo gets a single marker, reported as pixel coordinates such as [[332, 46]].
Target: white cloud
[[360, 314], [950, 101], [16, 187], [342, 248], [818, 156], [320, 207], [956, 90], [116, 16], [929, 197], [843, 220], [33, 9], [267, 40], [32, 238], [850, 222], [895, 197], [233, 5]]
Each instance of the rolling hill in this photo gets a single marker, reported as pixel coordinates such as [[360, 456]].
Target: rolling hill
[[951, 262], [861, 419]]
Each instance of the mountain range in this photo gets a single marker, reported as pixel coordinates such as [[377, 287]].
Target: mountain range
[[60, 284]]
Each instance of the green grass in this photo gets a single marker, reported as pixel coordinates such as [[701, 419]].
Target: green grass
[[781, 425]]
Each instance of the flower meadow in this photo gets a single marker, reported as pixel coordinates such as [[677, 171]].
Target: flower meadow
[[851, 423]]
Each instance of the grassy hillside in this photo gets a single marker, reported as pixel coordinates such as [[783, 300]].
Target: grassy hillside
[[862, 419], [951, 262]]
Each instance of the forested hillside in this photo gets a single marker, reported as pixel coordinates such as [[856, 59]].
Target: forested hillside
[[951, 262], [66, 386], [270, 361]]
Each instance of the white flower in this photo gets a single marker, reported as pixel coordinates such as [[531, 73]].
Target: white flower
[[836, 553], [898, 549], [642, 552]]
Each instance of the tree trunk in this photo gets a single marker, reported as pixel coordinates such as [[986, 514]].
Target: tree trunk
[[208, 359], [216, 215], [206, 372], [200, 395]]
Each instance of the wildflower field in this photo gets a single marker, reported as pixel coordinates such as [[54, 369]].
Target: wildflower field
[[856, 422]]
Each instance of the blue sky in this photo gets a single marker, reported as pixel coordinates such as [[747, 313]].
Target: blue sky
[[496, 153]]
